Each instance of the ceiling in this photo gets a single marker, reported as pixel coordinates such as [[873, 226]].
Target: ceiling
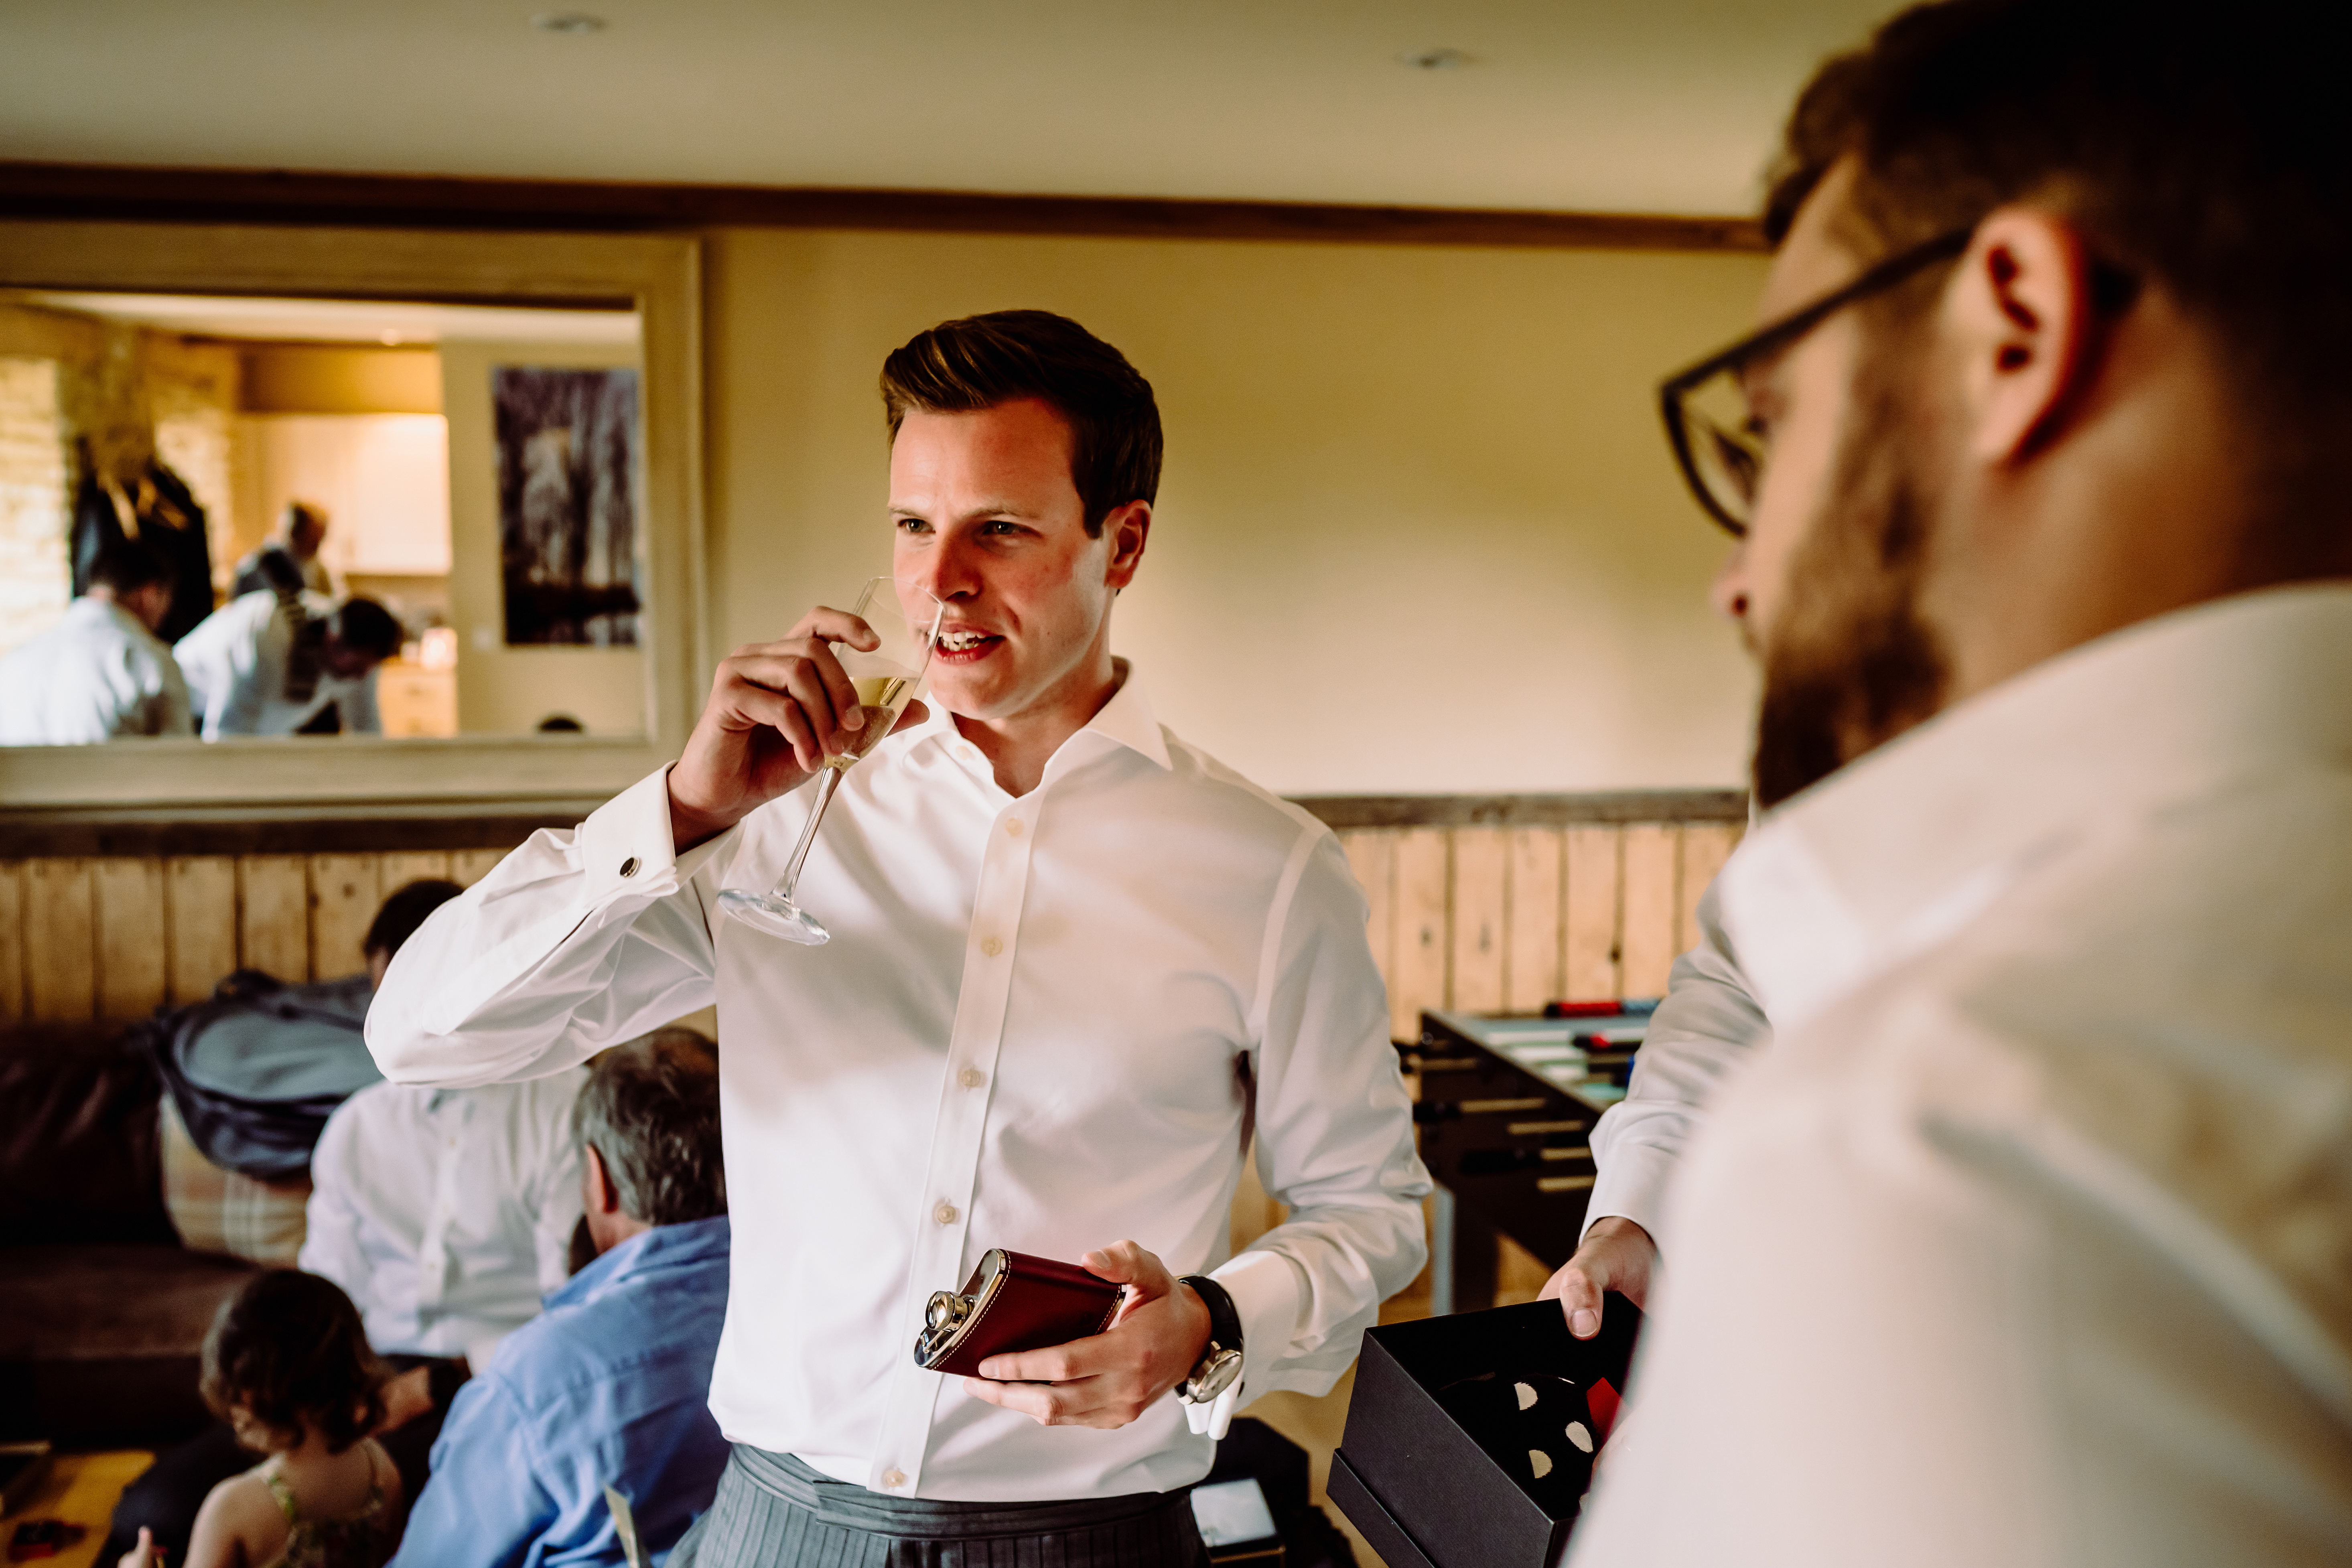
[[1660, 106], [250, 320]]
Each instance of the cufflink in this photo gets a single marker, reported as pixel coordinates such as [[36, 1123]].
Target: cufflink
[[629, 867]]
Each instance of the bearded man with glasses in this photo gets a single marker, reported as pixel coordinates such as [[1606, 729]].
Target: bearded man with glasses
[[2029, 1239]]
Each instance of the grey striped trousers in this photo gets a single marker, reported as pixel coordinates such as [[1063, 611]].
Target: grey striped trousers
[[774, 1511]]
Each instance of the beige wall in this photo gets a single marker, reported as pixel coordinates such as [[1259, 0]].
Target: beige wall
[[504, 691], [1419, 529]]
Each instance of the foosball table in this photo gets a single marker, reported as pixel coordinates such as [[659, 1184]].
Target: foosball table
[[1505, 1115]]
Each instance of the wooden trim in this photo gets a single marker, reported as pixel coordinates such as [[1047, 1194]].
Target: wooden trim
[[108, 192], [1345, 811], [25, 837], [391, 826]]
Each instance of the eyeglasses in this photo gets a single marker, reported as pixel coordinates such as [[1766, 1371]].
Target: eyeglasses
[[1717, 439]]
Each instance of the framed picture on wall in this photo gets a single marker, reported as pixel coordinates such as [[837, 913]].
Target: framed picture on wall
[[567, 461]]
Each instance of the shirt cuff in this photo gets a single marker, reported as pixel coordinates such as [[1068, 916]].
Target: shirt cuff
[[1267, 1294], [1632, 1185], [625, 845], [623, 849]]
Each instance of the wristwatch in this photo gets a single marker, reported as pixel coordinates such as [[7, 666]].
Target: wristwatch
[[1221, 1363]]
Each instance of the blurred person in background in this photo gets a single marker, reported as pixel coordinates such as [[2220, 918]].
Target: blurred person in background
[[610, 1385], [287, 561], [274, 663], [446, 1213], [288, 1370], [2025, 1239], [444, 1217], [101, 673]]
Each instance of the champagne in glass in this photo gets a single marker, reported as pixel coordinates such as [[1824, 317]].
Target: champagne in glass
[[887, 679]]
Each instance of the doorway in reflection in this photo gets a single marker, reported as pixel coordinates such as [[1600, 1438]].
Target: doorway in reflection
[[301, 464]]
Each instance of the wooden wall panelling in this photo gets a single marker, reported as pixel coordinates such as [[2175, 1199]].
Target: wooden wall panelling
[[1653, 906], [1705, 847], [1371, 855], [402, 866], [468, 867], [1532, 970], [1424, 868], [133, 934], [12, 942], [344, 894], [60, 951], [200, 921], [1595, 869], [1481, 923], [274, 915]]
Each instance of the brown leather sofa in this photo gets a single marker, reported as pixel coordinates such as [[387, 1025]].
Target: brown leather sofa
[[102, 1312]]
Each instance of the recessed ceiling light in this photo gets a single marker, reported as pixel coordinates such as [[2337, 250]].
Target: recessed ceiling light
[[1434, 60], [572, 21]]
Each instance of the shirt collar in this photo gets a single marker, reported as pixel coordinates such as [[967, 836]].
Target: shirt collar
[[694, 1241], [85, 608], [1127, 720], [1899, 850]]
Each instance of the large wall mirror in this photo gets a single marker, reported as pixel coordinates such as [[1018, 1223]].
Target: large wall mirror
[[430, 505]]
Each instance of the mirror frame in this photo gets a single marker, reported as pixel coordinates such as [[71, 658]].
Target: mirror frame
[[657, 275]]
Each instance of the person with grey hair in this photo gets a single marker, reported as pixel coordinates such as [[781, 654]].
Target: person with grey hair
[[610, 1386]]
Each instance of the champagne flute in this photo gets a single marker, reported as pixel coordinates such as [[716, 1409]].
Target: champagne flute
[[886, 680]]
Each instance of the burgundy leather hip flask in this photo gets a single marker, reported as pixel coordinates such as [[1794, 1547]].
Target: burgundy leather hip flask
[[1013, 1302]]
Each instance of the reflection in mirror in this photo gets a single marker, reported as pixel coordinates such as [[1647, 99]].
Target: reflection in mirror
[[244, 517]]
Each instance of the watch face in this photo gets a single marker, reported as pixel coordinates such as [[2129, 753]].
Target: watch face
[[1215, 1374]]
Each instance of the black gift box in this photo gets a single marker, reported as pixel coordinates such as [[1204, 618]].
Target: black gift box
[[1464, 1445]]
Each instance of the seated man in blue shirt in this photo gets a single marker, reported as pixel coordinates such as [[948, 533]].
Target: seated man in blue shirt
[[610, 1385]]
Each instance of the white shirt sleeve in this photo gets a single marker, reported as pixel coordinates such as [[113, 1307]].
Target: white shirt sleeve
[[174, 713], [361, 714], [577, 941], [1334, 1144], [223, 662], [1709, 1024], [331, 1233]]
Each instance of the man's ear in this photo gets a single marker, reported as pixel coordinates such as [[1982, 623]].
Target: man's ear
[[1129, 528], [2021, 309], [602, 1196]]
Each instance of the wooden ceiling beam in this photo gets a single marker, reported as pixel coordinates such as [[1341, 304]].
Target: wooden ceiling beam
[[82, 191]]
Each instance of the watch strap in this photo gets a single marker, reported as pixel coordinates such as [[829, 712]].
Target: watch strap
[[1217, 1375], [1224, 1320]]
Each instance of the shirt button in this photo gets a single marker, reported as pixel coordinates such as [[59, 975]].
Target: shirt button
[[991, 947], [1013, 827], [972, 1077], [894, 1478], [629, 867], [945, 1213]]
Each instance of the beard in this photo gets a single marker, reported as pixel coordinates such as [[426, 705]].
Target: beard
[[1852, 663]]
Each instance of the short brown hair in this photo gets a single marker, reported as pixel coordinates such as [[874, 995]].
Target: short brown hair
[[2203, 148], [288, 1347], [980, 362]]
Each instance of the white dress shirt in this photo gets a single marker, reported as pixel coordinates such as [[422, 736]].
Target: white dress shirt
[[236, 665], [1708, 1027], [1043, 1022], [444, 1214], [98, 675], [2028, 1241]]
